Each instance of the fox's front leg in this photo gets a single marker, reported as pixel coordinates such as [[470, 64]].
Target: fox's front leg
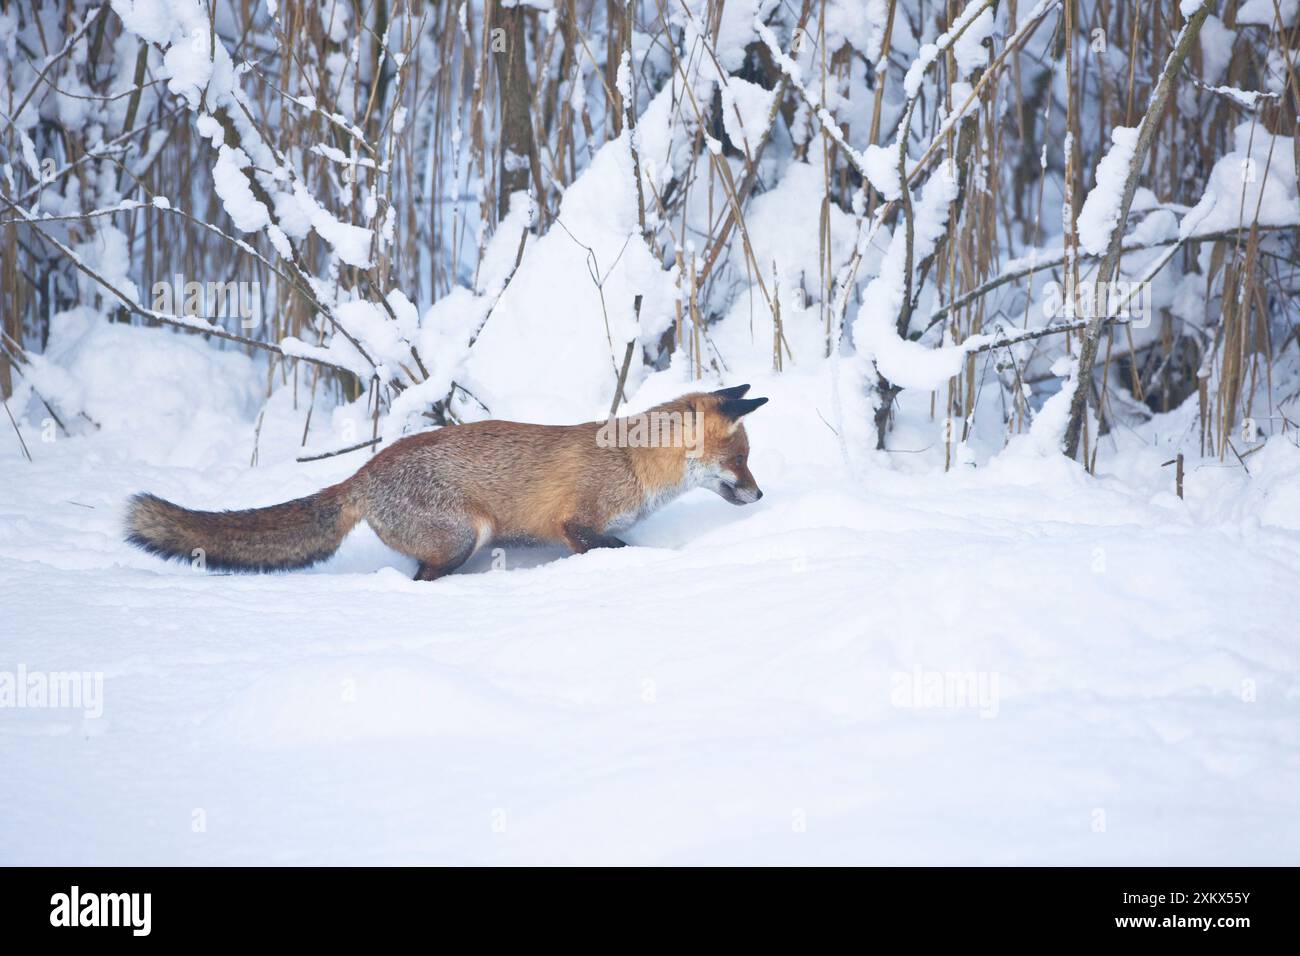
[[582, 537]]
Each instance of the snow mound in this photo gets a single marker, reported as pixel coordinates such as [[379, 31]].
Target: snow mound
[[128, 377]]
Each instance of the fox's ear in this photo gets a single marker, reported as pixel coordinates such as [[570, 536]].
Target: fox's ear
[[735, 408], [736, 391]]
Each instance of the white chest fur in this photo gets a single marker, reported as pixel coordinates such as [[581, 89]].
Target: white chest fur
[[696, 475]]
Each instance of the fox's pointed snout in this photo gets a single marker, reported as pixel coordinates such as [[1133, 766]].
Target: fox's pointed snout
[[739, 494]]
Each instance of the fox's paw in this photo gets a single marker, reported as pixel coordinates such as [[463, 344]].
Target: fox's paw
[[582, 538]]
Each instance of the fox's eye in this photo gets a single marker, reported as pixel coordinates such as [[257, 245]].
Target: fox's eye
[[738, 461]]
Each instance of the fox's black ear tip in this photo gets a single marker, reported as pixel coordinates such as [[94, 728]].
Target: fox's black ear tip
[[735, 408], [735, 391]]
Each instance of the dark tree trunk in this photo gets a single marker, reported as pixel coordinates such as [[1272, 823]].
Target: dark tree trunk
[[510, 51]]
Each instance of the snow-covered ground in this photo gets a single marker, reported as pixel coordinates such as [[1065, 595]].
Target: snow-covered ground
[[886, 664]]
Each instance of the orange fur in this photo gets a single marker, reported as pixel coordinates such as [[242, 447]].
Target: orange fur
[[440, 495]]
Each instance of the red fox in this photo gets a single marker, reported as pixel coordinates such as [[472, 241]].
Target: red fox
[[439, 496]]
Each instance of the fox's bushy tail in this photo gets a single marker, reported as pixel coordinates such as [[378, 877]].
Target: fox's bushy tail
[[281, 537]]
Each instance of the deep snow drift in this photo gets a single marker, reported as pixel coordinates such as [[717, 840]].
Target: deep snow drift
[[877, 663]]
